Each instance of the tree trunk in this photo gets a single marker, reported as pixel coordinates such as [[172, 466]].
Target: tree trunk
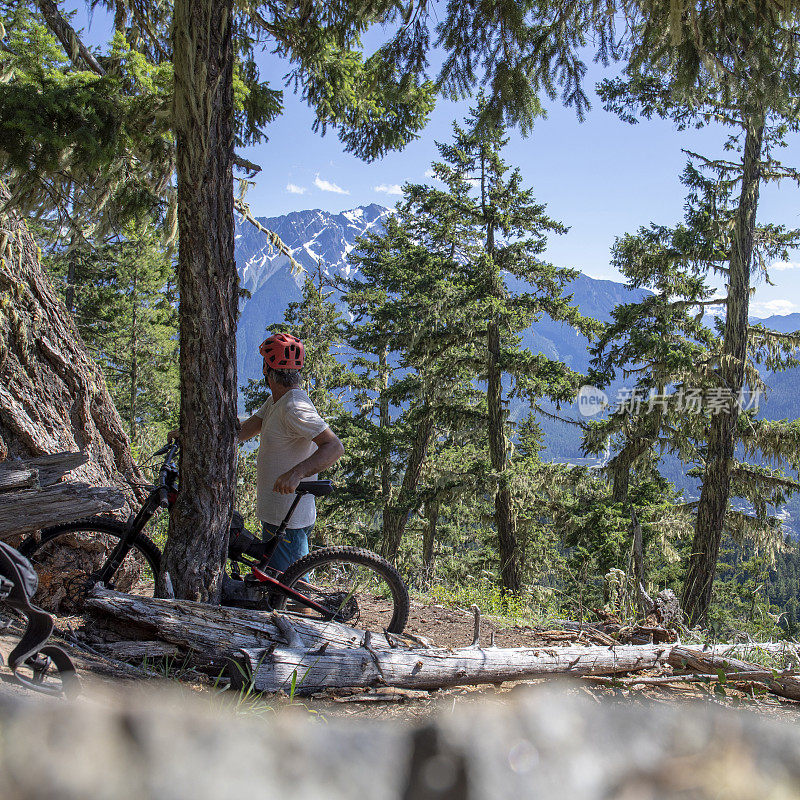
[[383, 426], [134, 356], [715, 493], [208, 288], [53, 398], [395, 515], [504, 515], [429, 540]]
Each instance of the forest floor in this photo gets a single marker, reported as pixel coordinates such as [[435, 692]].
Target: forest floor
[[443, 626]]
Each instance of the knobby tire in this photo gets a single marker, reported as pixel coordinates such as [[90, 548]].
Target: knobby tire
[[351, 555], [32, 547]]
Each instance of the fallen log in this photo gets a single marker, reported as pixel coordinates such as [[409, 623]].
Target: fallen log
[[268, 651], [34, 509], [277, 669], [691, 677], [270, 647], [33, 497], [711, 663], [218, 631]]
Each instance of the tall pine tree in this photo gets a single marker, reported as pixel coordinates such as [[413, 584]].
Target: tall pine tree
[[737, 66]]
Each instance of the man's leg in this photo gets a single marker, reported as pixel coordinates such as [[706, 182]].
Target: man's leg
[[292, 546]]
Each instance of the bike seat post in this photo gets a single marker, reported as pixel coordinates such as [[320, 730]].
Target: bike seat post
[[280, 531], [285, 521]]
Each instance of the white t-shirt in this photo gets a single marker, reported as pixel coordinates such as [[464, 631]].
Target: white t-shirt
[[287, 430]]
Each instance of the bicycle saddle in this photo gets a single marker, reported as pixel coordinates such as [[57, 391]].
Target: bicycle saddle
[[317, 488]]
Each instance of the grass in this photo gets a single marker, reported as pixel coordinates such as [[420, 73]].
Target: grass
[[514, 609]]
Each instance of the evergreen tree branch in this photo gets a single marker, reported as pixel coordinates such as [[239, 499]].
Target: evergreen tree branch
[[65, 34], [274, 240]]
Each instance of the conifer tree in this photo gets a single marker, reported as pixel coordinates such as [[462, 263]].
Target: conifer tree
[[486, 232], [122, 298], [738, 68], [677, 361], [405, 309]]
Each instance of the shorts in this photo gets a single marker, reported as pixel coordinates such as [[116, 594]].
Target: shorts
[[292, 546]]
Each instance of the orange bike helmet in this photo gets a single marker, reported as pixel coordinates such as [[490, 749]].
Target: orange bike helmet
[[282, 351]]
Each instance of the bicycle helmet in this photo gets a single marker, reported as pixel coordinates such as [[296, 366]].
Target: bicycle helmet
[[282, 351]]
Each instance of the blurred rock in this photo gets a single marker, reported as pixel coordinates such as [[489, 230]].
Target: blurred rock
[[549, 743]]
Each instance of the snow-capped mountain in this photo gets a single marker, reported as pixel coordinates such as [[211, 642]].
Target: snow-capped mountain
[[312, 236]]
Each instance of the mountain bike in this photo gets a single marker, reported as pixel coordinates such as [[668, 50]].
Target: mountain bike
[[344, 584]]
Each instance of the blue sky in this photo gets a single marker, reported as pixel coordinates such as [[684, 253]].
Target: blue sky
[[601, 177]]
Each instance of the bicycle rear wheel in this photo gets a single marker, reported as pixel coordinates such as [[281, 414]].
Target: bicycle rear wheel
[[355, 586], [66, 557]]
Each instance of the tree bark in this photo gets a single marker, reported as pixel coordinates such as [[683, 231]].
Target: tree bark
[[429, 539], [208, 287], [395, 515], [504, 515], [383, 426], [134, 355], [53, 398], [715, 493]]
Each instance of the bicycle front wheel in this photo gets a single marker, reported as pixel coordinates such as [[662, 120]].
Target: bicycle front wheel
[[68, 557], [354, 586]]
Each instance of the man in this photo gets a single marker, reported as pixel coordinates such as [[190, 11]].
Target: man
[[295, 443]]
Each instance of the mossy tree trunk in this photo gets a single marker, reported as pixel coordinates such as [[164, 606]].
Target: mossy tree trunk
[[722, 438], [208, 286], [396, 514]]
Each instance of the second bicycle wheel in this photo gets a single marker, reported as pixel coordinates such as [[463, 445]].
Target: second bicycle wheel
[[355, 586], [66, 557]]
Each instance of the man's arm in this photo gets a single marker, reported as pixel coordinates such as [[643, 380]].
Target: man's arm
[[250, 427], [329, 451]]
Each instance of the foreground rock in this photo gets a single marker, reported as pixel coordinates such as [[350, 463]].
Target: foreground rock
[[541, 744]]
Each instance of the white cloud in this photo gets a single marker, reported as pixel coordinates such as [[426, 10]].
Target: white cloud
[[429, 173], [774, 307], [780, 266], [715, 311], [294, 189], [327, 186], [393, 188]]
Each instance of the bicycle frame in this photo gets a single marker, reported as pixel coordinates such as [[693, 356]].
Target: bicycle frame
[[162, 495], [258, 570]]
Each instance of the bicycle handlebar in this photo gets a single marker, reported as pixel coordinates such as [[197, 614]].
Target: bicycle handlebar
[[170, 450]]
